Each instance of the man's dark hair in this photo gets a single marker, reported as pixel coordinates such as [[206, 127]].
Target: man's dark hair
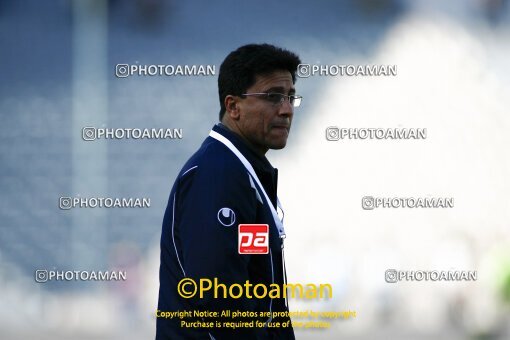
[[240, 67]]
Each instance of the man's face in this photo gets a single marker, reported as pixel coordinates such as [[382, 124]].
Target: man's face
[[263, 124]]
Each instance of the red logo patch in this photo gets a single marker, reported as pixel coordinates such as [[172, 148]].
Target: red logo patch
[[253, 239]]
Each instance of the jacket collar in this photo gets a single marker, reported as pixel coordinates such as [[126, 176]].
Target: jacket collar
[[259, 163]]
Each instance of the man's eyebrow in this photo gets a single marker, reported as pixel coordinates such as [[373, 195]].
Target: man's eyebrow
[[280, 89]]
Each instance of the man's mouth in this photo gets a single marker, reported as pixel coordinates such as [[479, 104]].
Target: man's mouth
[[281, 126]]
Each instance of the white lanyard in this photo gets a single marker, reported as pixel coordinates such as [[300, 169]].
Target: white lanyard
[[247, 165]]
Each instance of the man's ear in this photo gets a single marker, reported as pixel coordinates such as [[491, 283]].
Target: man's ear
[[232, 107]]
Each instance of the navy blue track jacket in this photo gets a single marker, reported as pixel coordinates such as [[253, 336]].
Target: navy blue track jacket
[[211, 196]]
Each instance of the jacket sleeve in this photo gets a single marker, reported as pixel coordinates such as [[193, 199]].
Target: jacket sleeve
[[208, 236]]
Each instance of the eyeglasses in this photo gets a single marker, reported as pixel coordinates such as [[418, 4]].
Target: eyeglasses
[[278, 98]]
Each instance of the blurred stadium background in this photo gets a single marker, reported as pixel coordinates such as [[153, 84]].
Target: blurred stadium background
[[57, 76]]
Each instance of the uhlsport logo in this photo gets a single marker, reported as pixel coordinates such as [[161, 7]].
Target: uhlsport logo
[[226, 217], [253, 239]]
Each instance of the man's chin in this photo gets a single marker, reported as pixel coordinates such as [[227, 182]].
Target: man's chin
[[278, 146]]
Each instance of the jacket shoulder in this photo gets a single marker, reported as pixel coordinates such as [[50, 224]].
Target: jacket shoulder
[[215, 159]]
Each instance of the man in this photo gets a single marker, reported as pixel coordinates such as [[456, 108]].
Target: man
[[229, 182]]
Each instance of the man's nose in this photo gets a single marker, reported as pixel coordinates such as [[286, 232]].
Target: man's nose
[[286, 108]]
